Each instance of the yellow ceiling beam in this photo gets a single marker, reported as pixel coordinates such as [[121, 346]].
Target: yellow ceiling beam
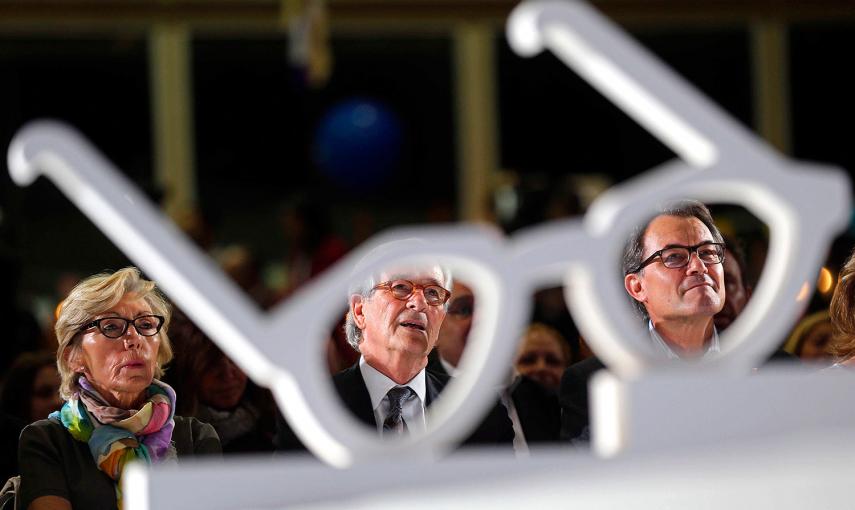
[[268, 14]]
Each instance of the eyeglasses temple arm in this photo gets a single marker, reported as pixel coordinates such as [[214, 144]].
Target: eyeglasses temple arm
[[632, 78], [127, 218]]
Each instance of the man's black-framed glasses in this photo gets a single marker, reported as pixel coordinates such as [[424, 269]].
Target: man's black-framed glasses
[[677, 256], [115, 327], [403, 289]]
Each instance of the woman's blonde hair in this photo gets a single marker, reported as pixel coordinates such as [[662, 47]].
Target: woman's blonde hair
[[842, 312], [93, 296]]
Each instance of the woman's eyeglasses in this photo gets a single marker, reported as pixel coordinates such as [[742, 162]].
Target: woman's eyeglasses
[[115, 327]]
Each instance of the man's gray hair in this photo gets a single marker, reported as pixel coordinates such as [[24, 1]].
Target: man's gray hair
[[365, 287], [634, 248]]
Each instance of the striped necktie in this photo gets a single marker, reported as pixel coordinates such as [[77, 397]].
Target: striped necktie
[[394, 424]]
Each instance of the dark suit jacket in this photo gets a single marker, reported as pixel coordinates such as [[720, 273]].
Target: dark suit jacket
[[496, 428], [537, 409], [10, 429], [573, 398], [573, 395]]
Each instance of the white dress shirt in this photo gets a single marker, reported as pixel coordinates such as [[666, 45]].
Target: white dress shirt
[[520, 443], [712, 347], [413, 409]]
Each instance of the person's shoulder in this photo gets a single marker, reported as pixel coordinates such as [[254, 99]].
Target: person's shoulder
[[194, 425], [584, 369], [46, 427], [351, 371], [47, 423], [574, 381], [195, 437], [45, 434], [441, 377], [345, 380]]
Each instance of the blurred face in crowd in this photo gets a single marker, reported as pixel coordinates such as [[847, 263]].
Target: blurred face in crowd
[[120, 369], [673, 294], [222, 384], [816, 342], [736, 291], [541, 357], [458, 321], [397, 318], [45, 396]]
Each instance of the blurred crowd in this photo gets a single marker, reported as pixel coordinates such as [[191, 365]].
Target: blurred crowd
[[543, 399]]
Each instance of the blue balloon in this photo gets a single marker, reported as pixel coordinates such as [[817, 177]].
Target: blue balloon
[[358, 143]]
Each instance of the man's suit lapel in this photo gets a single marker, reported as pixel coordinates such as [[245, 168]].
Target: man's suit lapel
[[352, 390], [434, 384]]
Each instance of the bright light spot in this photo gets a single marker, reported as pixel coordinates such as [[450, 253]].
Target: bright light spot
[[825, 282], [804, 292]]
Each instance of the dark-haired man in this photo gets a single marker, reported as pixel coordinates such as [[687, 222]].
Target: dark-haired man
[[673, 272]]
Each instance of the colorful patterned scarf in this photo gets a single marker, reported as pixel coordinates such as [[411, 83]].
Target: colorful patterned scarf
[[117, 436]]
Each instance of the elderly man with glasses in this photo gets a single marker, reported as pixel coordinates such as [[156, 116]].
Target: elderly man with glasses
[[394, 324], [393, 321], [673, 272]]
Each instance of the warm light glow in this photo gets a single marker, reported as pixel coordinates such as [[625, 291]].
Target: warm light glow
[[825, 282], [804, 292]]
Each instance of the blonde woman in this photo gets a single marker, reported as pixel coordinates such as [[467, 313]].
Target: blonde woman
[[113, 344], [842, 316]]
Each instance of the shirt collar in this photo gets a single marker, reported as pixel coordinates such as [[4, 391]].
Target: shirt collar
[[378, 384], [712, 348]]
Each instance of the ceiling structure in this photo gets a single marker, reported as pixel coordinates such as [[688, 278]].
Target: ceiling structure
[[269, 14]]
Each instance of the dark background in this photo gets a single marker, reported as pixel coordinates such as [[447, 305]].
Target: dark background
[[256, 121]]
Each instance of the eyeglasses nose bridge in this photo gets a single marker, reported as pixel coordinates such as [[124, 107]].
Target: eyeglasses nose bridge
[[126, 333], [418, 292], [697, 255]]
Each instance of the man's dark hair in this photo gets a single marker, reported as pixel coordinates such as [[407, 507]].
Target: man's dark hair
[[634, 250]]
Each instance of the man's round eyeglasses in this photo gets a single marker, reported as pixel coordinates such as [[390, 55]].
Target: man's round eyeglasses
[[677, 256], [403, 289], [115, 327]]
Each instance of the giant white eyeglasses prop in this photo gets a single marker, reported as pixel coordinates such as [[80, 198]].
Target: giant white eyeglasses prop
[[719, 161]]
